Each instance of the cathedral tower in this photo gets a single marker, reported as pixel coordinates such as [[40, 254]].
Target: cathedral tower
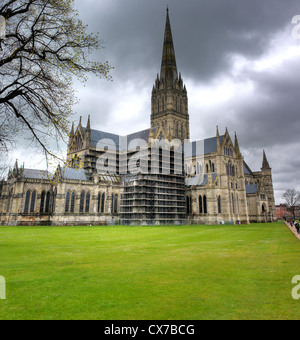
[[169, 109]]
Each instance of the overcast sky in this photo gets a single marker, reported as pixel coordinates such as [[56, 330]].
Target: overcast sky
[[238, 59]]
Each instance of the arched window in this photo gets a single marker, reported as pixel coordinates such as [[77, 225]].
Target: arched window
[[103, 204], [10, 199], [53, 200], [219, 205], [27, 201], [187, 205], [81, 204], [205, 204], [233, 204], [207, 168], [43, 197], [48, 201], [116, 204], [112, 203], [32, 205], [67, 205], [213, 167], [73, 202], [99, 203], [87, 202], [200, 205]]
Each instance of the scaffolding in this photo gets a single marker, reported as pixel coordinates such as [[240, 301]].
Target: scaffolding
[[156, 194]]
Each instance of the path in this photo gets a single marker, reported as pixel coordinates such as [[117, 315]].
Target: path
[[293, 230]]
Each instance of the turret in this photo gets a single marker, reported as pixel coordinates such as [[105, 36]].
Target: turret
[[218, 140], [87, 135], [237, 147], [265, 164], [71, 137]]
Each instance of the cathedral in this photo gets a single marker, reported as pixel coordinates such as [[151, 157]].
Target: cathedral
[[153, 177]]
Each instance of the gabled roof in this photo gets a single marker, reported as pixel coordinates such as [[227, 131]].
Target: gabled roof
[[97, 136], [73, 174], [36, 174], [194, 181], [251, 189], [119, 142], [210, 146]]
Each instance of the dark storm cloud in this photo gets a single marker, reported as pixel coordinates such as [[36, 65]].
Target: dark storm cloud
[[273, 114], [205, 32]]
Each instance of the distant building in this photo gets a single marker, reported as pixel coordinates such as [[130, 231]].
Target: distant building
[[282, 211], [213, 185]]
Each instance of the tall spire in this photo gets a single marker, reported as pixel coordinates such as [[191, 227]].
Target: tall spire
[[169, 103], [168, 66]]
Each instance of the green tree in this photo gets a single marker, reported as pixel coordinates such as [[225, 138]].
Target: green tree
[[45, 46]]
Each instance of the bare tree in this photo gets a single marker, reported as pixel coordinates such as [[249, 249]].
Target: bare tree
[[292, 199], [44, 48]]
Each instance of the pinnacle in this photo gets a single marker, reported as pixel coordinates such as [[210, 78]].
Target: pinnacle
[[168, 66], [265, 164]]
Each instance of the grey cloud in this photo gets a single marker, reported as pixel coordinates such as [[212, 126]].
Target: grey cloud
[[205, 32]]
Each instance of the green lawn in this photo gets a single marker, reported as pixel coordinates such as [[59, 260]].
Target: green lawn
[[145, 273]]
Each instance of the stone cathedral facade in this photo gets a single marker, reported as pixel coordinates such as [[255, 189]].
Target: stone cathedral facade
[[114, 179]]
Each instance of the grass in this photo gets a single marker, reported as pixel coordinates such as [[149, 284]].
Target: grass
[[146, 273]]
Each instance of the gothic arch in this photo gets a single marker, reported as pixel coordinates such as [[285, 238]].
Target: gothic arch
[[200, 205], [67, 203], [205, 204], [27, 202], [32, 203]]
